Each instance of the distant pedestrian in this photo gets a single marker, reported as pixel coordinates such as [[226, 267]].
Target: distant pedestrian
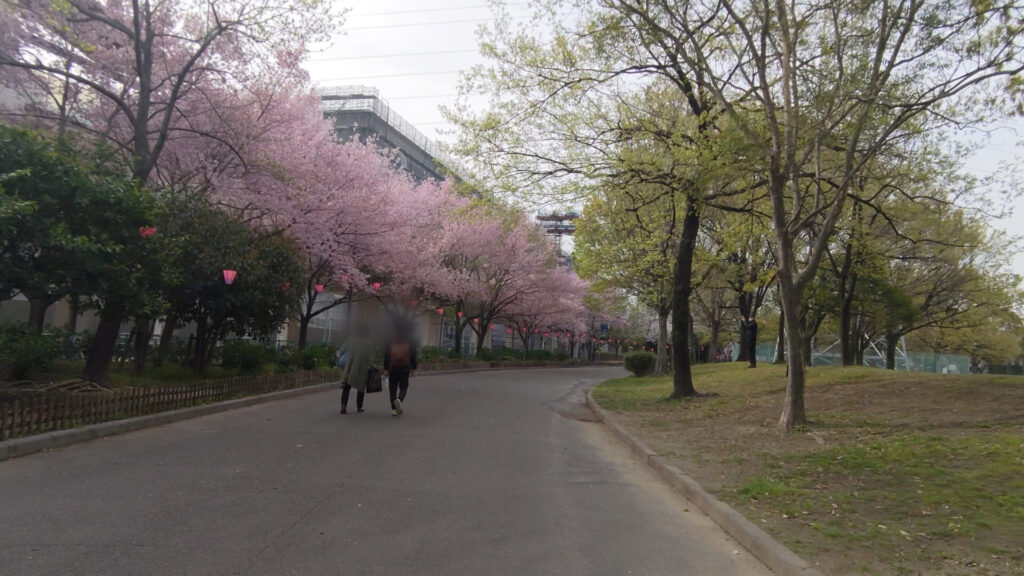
[[399, 364], [358, 356], [749, 325]]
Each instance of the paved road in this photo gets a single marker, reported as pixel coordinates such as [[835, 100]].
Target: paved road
[[487, 473]]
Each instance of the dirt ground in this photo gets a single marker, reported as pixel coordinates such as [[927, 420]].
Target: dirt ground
[[895, 473]]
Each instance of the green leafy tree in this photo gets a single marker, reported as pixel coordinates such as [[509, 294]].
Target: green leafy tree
[[819, 89], [265, 291], [626, 240]]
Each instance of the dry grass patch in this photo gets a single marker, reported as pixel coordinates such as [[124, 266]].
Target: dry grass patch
[[896, 473]]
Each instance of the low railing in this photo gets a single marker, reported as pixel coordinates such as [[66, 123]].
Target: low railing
[[25, 413]]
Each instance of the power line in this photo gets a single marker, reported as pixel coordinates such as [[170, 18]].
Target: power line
[[395, 55], [413, 24], [421, 97], [399, 75], [423, 10]]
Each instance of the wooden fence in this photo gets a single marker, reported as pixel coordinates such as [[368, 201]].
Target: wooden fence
[[28, 414]]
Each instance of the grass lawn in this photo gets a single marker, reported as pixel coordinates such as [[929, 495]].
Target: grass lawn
[[896, 473]]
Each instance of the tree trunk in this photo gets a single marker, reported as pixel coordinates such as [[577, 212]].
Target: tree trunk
[[743, 303], [101, 351], [303, 330], [37, 307], [744, 355], [793, 412], [661, 364], [206, 342], [862, 344], [682, 379], [166, 335], [200, 345], [780, 346], [891, 342], [716, 329], [480, 337], [144, 331], [72, 327], [846, 341], [459, 327], [74, 309], [848, 283]]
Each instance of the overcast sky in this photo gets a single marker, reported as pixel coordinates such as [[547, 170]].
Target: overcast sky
[[413, 50]]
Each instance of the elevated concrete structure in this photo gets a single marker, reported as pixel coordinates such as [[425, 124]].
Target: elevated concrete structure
[[359, 111]]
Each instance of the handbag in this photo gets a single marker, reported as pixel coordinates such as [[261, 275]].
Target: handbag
[[373, 381]]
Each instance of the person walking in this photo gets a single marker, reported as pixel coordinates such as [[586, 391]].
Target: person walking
[[358, 359], [399, 364], [750, 339]]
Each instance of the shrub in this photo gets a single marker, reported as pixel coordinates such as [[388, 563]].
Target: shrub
[[287, 358], [640, 363], [499, 354], [246, 356], [23, 352], [540, 355], [319, 356]]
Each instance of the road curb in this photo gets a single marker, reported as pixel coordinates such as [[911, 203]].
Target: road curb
[[770, 552], [62, 438]]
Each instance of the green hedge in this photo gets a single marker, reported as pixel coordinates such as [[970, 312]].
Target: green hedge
[[640, 363], [246, 356], [24, 352]]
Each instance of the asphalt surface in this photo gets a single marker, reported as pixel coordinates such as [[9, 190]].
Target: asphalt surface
[[486, 473]]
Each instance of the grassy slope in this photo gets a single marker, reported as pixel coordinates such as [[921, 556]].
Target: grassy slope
[[896, 474]]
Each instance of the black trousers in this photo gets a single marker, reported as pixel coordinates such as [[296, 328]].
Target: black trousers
[[360, 396], [398, 384]]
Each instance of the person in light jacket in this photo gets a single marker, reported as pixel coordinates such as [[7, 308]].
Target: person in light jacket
[[358, 359]]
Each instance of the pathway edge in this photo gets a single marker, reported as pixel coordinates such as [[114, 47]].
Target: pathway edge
[[62, 438], [760, 544]]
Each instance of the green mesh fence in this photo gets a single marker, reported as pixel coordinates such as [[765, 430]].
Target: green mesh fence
[[911, 362]]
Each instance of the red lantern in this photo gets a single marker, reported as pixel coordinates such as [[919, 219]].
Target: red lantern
[[146, 231], [546, 334], [459, 314], [229, 276], [476, 320], [415, 302], [509, 330], [440, 311], [319, 288], [376, 285], [491, 327]]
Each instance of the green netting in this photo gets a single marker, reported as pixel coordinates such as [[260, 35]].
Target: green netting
[[912, 362]]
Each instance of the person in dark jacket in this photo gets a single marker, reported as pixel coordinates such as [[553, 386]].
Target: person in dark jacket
[[399, 364], [750, 339]]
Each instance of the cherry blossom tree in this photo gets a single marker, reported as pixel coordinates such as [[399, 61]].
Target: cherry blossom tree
[[555, 304], [492, 256], [142, 76]]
